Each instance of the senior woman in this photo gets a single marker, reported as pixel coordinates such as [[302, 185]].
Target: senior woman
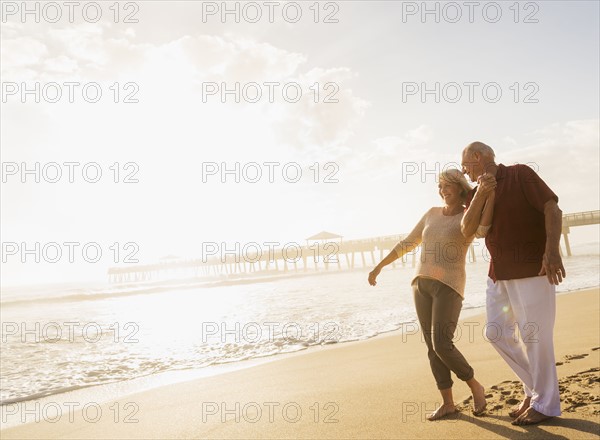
[[438, 285]]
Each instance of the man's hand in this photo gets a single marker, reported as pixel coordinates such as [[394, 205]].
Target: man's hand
[[373, 275], [486, 184], [553, 268]]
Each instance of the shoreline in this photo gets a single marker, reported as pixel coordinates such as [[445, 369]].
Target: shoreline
[[116, 290], [289, 366], [119, 389]]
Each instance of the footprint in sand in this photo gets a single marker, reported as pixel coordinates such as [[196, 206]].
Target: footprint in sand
[[572, 357], [579, 392]]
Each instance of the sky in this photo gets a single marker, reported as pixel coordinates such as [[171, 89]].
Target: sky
[[368, 145]]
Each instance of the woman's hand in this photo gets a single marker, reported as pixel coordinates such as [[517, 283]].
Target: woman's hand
[[486, 184], [373, 275]]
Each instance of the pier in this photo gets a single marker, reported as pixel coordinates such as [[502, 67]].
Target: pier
[[321, 252], [577, 219]]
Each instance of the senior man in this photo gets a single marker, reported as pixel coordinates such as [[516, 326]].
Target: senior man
[[525, 267]]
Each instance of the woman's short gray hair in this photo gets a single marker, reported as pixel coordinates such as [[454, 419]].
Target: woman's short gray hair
[[453, 175]]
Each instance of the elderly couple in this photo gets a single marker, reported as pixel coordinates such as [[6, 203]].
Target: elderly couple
[[518, 214]]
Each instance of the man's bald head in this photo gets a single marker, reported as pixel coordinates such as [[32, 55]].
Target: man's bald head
[[481, 148], [477, 158]]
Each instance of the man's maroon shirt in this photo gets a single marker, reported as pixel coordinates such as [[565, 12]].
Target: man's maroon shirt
[[516, 240]]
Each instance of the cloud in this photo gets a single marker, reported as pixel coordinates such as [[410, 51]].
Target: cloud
[[313, 129], [22, 52], [219, 58], [410, 143], [321, 129], [388, 154], [170, 75], [86, 43], [567, 157], [61, 64], [92, 51]]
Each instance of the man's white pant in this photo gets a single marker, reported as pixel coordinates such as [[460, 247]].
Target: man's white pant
[[529, 303]]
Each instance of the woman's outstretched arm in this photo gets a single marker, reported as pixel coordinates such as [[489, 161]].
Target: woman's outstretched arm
[[403, 247]]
